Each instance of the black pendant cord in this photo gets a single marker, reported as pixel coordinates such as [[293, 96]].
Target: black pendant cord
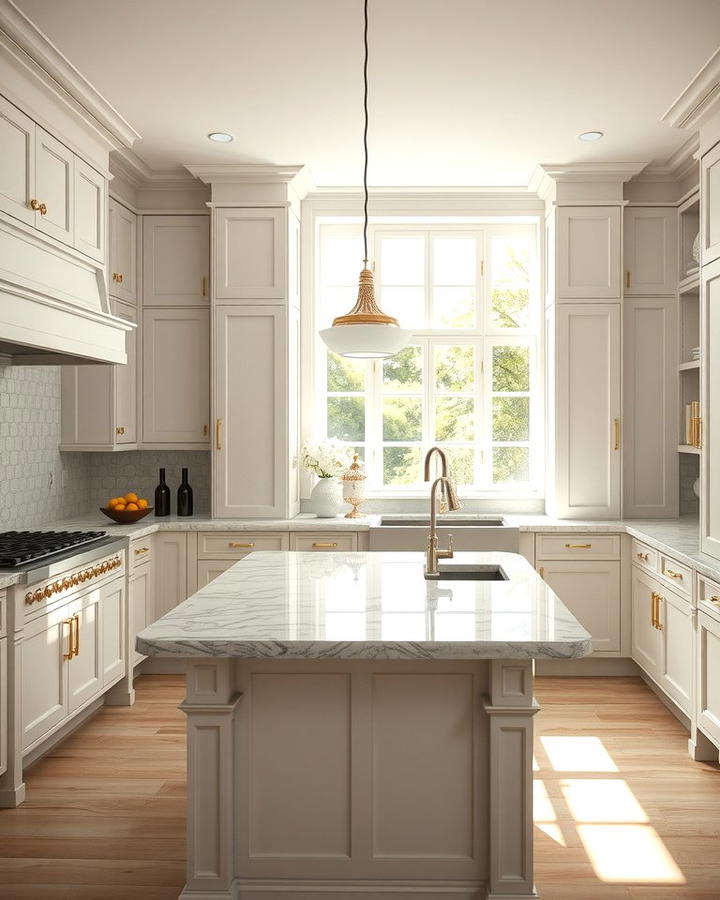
[[365, 133]]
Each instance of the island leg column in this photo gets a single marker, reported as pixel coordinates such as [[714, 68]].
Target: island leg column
[[510, 707], [210, 705]]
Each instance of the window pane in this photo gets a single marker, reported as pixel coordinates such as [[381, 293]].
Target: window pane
[[402, 419], [455, 368], [511, 464], [511, 418], [511, 369], [346, 418], [345, 374], [454, 260], [402, 260], [341, 259], [407, 304], [454, 307], [461, 463], [510, 266], [510, 308], [403, 372], [401, 465], [335, 301], [454, 419]]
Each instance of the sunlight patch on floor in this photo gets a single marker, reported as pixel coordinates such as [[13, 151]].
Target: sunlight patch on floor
[[572, 753], [629, 854], [602, 800]]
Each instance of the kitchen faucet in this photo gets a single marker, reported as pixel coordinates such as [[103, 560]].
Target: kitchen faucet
[[433, 554]]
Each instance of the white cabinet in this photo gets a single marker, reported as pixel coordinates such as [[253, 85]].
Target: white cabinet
[[17, 162], [650, 251], [209, 569], [708, 681], [114, 610], [250, 457], [176, 260], [176, 377], [650, 421], [54, 173], [99, 403], [710, 205], [251, 252], [4, 690], [85, 669], [710, 408], [140, 604], [171, 566], [46, 644], [585, 381], [588, 252], [89, 202], [590, 589], [645, 635], [122, 243]]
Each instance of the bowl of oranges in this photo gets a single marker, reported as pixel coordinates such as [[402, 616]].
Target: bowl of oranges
[[129, 508]]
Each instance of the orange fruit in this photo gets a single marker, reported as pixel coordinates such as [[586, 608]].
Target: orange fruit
[[132, 506], [130, 498], [142, 503], [111, 503], [119, 506]]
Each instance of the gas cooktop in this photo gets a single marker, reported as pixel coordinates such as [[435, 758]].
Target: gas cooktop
[[17, 548]]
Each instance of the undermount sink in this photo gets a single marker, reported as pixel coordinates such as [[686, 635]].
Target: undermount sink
[[445, 522], [470, 532], [469, 573]]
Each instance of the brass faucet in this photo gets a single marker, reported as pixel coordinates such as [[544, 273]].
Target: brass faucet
[[433, 554]]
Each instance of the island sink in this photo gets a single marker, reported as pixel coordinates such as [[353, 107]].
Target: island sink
[[471, 573]]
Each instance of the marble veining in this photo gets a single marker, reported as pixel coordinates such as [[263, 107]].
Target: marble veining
[[368, 606]]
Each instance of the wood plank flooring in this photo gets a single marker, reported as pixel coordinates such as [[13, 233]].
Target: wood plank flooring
[[621, 810]]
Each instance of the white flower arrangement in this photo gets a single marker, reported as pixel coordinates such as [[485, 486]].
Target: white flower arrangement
[[326, 460]]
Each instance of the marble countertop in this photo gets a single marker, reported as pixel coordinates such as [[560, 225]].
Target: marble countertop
[[368, 606]]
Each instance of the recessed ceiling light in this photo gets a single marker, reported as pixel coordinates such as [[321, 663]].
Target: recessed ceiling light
[[221, 137], [590, 136]]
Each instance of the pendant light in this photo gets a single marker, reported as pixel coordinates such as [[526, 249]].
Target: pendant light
[[366, 332]]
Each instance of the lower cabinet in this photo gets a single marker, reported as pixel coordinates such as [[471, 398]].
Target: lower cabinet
[[708, 682], [171, 565], [330, 542], [3, 683], [114, 654], [139, 605], [209, 569]]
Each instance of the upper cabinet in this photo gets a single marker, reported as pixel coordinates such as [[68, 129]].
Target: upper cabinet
[[45, 184], [176, 260], [710, 205], [650, 251], [122, 241], [251, 254], [710, 408], [588, 252]]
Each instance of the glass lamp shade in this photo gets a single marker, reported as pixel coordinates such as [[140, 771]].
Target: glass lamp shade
[[365, 341]]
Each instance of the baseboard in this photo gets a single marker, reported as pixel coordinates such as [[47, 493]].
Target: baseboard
[[589, 667], [666, 701], [352, 890], [79, 719]]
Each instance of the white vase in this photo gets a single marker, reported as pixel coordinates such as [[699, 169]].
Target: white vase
[[326, 498]]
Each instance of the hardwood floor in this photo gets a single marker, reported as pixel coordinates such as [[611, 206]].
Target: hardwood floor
[[621, 810]]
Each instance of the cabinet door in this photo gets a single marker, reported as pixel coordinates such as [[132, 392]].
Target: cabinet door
[[176, 260], [112, 599], [676, 657], [591, 591], [209, 569], [90, 193], [650, 251], [650, 459], [3, 706], [17, 162], [710, 205], [251, 248], [588, 252], [250, 476], [44, 673], [587, 411], [123, 252], [125, 424], [140, 605], [85, 669], [171, 559], [176, 377], [645, 637], [54, 165], [708, 685], [710, 408], [87, 407]]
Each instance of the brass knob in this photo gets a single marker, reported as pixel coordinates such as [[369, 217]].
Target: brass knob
[[38, 595], [66, 583], [43, 209], [35, 204]]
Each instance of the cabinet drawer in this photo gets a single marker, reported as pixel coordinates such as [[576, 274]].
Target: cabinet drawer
[[140, 551], [708, 596], [327, 542], [644, 556], [674, 573], [236, 544], [580, 546]]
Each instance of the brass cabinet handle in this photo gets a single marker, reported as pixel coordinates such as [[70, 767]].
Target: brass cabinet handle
[[658, 623], [205, 430], [71, 644], [541, 572], [204, 286], [120, 430], [218, 433], [616, 434], [141, 550], [43, 209], [627, 278], [35, 205], [114, 276], [324, 545], [77, 634], [653, 609], [714, 599], [673, 574], [120, 278], [578, 546], [243, 546], [643, 556]]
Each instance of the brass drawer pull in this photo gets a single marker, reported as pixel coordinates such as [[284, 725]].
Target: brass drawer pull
[[77, 634], [627, 278], [324, 545], [541, 572], [578, 546], [141, 550], [643, 556], [218, 433], [204, 286], [241, 546], [616, 434], [673, 574], [716, 600], [654, 609], [71, 639]]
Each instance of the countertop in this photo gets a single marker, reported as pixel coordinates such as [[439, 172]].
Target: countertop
[[289, 605]]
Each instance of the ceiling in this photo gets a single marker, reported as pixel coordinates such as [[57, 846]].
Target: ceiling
[[462, 92]]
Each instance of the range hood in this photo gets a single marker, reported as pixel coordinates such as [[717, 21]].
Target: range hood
[[54, 308]]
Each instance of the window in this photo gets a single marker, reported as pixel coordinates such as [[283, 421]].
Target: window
[[469, 379]]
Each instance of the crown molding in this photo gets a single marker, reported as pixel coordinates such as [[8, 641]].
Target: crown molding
[[298, 177], [678, 166], [546, 175], [699, 99], [60, 75], [128, 165]]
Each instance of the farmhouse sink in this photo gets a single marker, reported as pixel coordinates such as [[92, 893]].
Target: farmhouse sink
[[447, 522], [470, 532]]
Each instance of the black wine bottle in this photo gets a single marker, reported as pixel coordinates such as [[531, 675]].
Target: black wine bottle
[[162, 497], [184, 496]]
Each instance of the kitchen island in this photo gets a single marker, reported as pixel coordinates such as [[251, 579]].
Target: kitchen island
[[355, 730]]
